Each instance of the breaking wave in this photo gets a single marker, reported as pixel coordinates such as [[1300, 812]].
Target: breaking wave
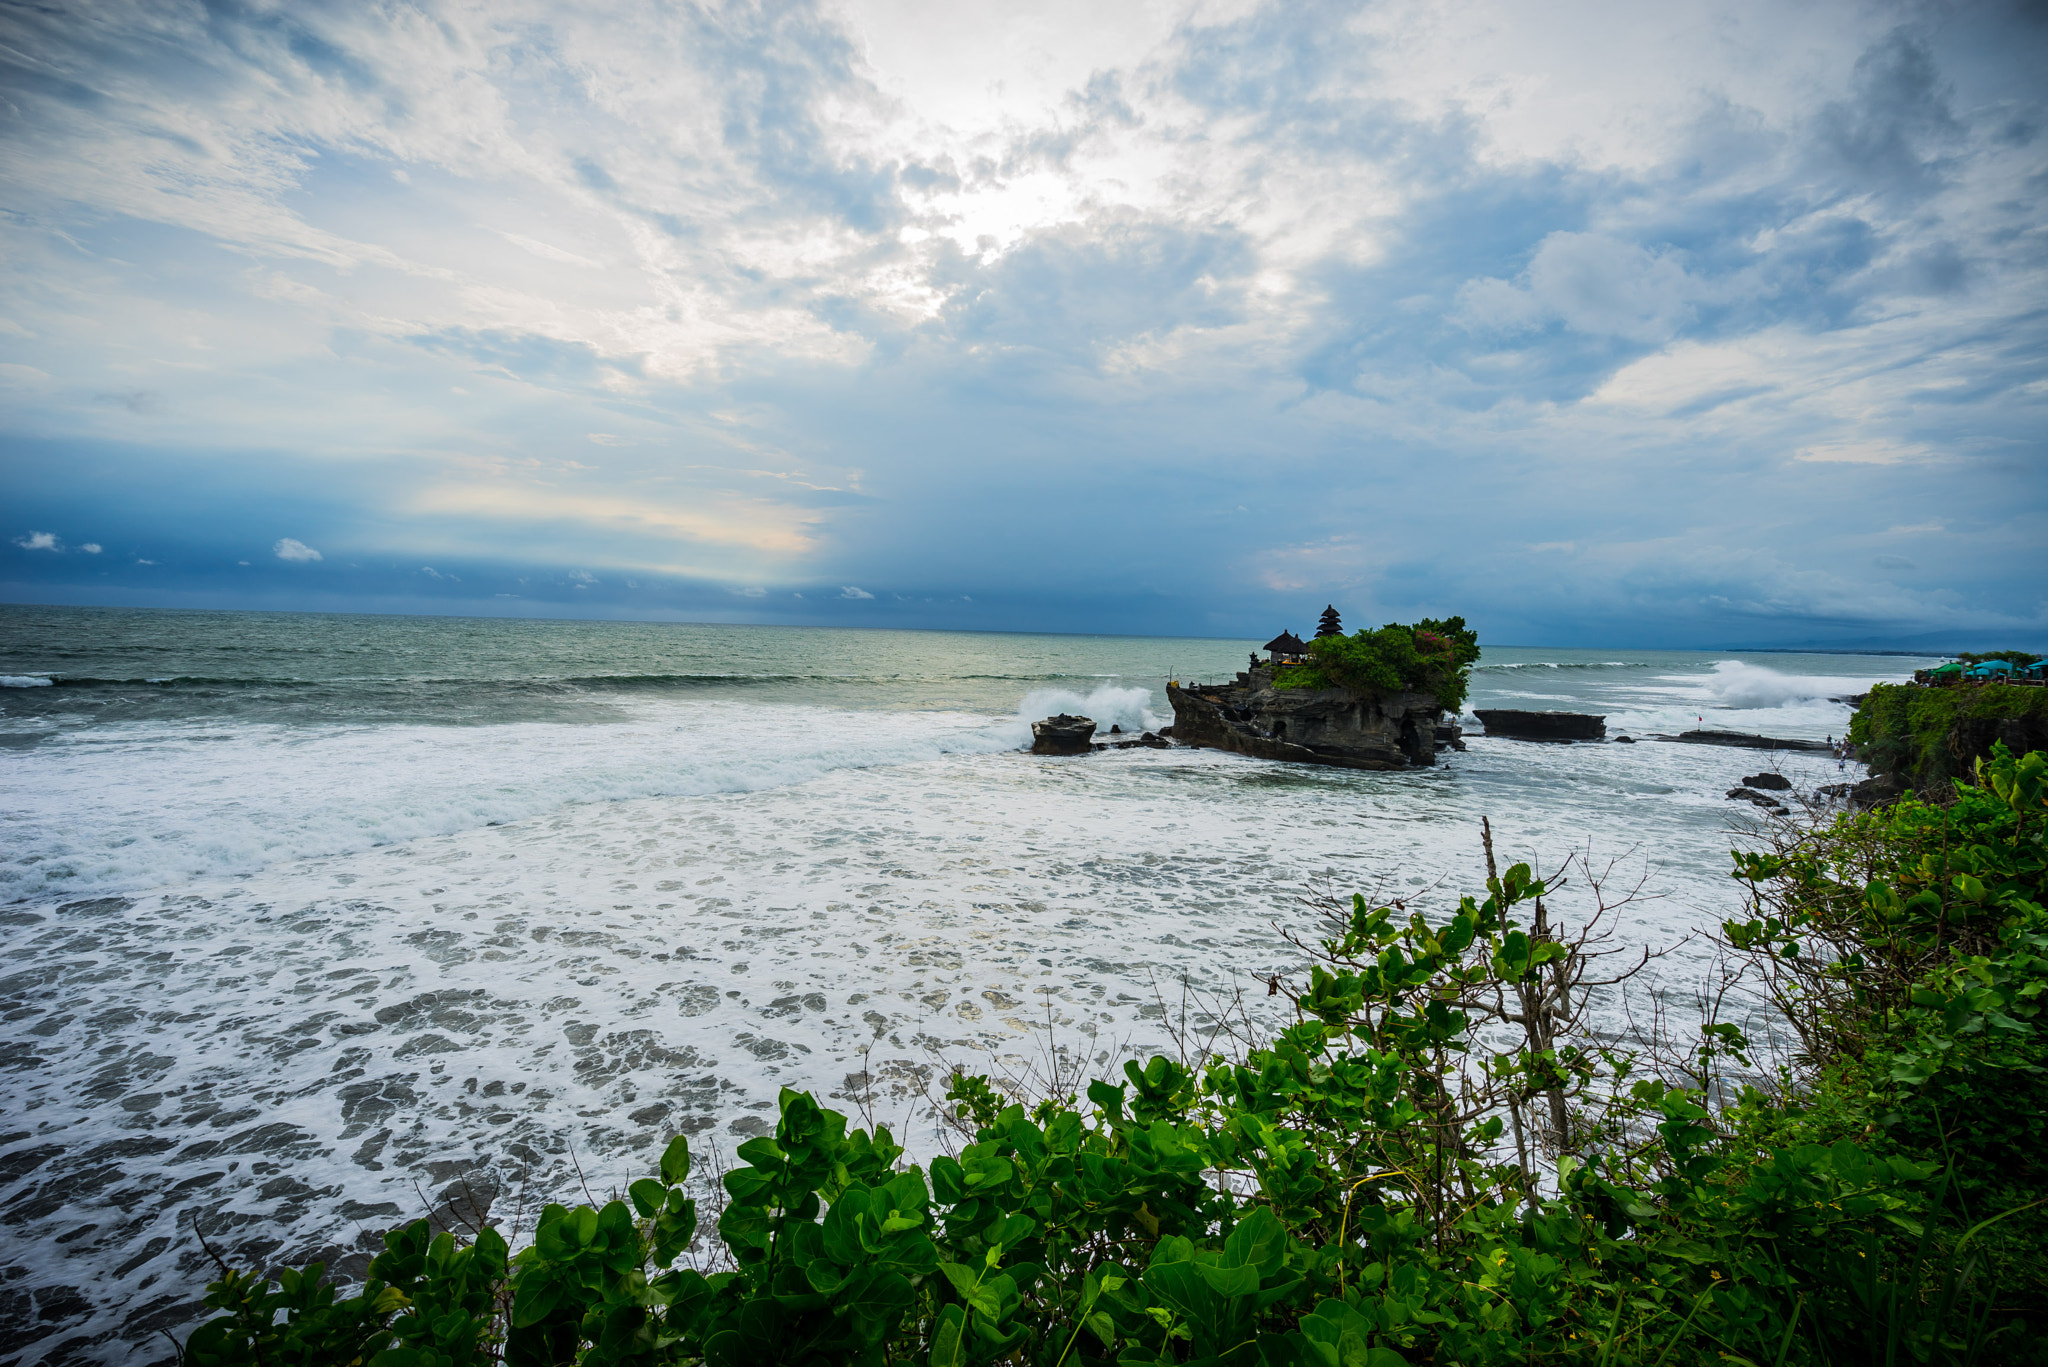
[[1746, 687], [1109, 705]]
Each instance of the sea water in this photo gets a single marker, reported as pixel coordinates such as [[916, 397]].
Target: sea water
[[315, 923]]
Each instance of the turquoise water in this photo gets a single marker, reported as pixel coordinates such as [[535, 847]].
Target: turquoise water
[[307, 918]]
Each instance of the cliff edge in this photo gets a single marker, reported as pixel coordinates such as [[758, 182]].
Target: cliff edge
[[1924, 737], [1307, 726]]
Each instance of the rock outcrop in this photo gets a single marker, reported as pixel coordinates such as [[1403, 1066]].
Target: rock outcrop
[[1062, 735], [1308, 726], [1515, 725], [1877, 791], [1776, 783], [1745, 742], [1927, 737], [1769, 804]]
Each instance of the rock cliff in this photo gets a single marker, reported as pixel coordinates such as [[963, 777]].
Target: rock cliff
[[1922, 738], [1308, 726]]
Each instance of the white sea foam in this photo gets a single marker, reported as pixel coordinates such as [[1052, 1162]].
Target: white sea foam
[[1109, 705], [23, 681], [345, 974], [122, 808], [1737, 684], [603, 974]]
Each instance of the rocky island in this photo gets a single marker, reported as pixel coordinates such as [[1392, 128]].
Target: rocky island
[[1311, 726], [1371, 700]]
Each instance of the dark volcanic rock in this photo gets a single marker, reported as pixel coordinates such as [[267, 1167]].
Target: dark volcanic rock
[[1308, 726], [1062, 735], [1768, 803], [1876, 792], [1776, 783], [1744, 742], [1516, 725]]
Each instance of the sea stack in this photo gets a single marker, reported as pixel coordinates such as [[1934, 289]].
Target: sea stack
[[1308, 726], [1062, 735]]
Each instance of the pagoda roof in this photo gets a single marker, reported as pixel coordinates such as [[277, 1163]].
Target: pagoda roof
[[1287, 643]]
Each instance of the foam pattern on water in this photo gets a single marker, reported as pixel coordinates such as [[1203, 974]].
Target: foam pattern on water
[[293, 1059], [124, 807]]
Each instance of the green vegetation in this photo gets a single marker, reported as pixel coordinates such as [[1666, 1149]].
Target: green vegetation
[[1431, 656], [1370, 1188], [1932, 735]]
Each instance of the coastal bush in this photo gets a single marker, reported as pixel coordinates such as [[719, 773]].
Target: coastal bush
[[1436, 1163], [1907, 948], [1432, 656], [1931, 736]]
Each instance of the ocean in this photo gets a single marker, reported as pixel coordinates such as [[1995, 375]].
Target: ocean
[[313, 923]]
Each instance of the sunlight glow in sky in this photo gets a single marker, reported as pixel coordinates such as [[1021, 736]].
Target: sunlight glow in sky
[[1691, 324]]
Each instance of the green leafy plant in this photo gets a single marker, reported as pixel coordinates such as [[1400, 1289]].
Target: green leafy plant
[[1431, 657]]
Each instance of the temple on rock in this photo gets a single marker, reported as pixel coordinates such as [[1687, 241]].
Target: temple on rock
[[1287, 649], [1310, 725]]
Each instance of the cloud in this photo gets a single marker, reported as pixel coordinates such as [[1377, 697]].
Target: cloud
[[1601, 284], [39, 541], [1116, 324], [91, 548], [550, 252], [144, 401], [1894, 562], [1866, 451], [851, 592], [1592, 284], [752, 524], [298, 552]]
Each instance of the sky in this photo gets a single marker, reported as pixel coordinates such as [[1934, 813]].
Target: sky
[[1688, 325]]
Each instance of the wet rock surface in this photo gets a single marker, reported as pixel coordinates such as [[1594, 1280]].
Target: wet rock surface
[[1768, 803], [1776, 783], [1307, 726], [1877, 791], [1512, 724], [1742, 741], [1062, 735]]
